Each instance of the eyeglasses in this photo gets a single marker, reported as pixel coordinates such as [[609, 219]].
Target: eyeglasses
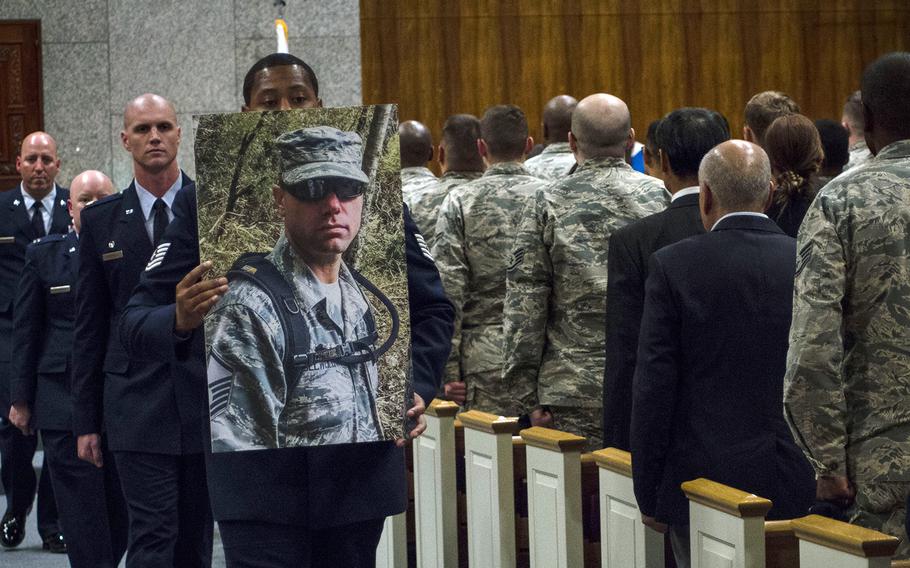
[[318, 189]]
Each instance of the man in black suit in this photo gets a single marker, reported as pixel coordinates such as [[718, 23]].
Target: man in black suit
[[682, 138], [153, 419], [37, 207], [92, 510], [320, 506], [708, 389]]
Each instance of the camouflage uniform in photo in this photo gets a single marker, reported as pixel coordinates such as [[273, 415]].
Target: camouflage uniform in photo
[[414, 180], [252, 407], [253, 403], [847, 387], [553, 163], [426, 203], [555, 304], [474, 235], [859, 155]]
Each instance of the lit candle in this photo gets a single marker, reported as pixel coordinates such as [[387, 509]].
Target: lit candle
[[281, 29]]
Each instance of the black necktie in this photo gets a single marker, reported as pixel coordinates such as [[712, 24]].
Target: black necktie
[[38, 220], [161, 220]]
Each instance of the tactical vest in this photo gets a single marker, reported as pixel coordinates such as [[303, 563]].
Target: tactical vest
[[299, 354]]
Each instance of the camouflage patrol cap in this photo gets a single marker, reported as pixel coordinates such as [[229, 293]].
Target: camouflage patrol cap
[[319, 152]]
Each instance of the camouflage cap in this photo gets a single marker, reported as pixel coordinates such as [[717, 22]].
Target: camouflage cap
[[319, 152]]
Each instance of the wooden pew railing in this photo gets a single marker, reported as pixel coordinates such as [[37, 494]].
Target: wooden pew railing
[[727, 525], [826, 543]]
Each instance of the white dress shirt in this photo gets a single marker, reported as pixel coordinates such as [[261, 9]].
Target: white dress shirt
[[739, 214], [147, 203], [47, 211]]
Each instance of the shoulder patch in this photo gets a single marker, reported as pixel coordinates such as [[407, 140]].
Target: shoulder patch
[[158, 256], [518, 256], [423, 247]]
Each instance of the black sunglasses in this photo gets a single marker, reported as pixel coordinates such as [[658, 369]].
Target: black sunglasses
[[317, 189]]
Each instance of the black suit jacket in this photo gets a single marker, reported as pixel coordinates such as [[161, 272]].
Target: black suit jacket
[[627, 270], [15, 234], [142, 406], [708, 391], [43, 330], [316, 486]]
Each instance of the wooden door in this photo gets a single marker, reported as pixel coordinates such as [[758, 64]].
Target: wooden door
[[21, 109]]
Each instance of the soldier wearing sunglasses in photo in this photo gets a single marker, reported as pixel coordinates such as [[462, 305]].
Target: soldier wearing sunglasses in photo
[[263, 393]]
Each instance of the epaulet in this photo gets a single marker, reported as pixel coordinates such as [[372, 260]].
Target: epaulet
[[52, 238], [113, 198]]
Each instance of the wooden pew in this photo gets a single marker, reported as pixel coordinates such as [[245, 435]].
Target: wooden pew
[[435, 500], [554, 499], [625, 542], [826, 543], [727, 526], [490, 479]]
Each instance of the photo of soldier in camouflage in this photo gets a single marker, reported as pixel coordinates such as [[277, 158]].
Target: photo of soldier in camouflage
[[293, 345]]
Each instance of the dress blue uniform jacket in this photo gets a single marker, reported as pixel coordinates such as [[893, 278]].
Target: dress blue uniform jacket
[[15, 234], [43, 330], [133, 397], [708, 387], [315, 486]]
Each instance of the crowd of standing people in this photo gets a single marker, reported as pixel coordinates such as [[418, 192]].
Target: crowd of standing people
[[738, 311]]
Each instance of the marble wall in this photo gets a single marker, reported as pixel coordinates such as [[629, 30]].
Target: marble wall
[[98, 54]]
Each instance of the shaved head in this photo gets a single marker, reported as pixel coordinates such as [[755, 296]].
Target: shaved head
[[144, 103], [602, 126], [416, 144], [557, 118], [87, 187], [38, 164], [738, 174]]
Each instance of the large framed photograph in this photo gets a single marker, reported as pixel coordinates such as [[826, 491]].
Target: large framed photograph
[[302, 211]]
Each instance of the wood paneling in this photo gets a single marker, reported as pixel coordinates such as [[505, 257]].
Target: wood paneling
[[20, 92], [438, 57]]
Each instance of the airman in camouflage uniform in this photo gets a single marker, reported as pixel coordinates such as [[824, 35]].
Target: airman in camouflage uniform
[[414, 180], [553, 163], [425, 203], [555, 302], [557, 158], [332, 403], [847, 387], [254, 404], [416, 150], [474, 235], [460, 161]]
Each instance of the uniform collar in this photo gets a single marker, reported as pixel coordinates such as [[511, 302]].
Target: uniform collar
[[417, 171], [603, 163], [47, 201], [894, 150], [147, 200], [557, 148], [310, 292], [506, 169]]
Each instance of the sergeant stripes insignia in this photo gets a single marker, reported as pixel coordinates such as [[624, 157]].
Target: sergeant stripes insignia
[[423, 247], [158, 256], [219, 396], [805, 255], [516, 259]]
